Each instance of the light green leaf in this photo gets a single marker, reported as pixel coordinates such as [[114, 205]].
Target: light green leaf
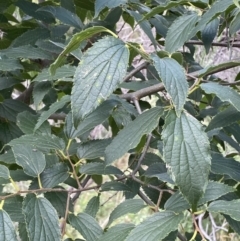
[[216, 9], [52, 109], [27, 121], [25, 51], [156, 227], [93, 149], [225, 93], [75, 43], [93, 206], [230, 208], [223, 165], [64, 16], [101, 4], [224, 118], [4, 172], [130, 136], [10, 65], [118, 232], [31, 160], [86, 225], [101, 70], [39, 141], [41, 219], [98, 168], [180, 31], [174, 80], [128, 206], [7, 229], [186, 151]]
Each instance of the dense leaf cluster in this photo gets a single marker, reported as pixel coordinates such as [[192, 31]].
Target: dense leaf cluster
[[64, 71]]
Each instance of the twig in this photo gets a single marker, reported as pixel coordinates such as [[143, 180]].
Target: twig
[[66, 215], [84, 183], [135, 70], [159, 201], [145, 199], [200, 228]]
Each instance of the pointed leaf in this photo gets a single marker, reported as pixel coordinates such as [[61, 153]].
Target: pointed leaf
[[75, 43], [156, 227], [93, 149], [52, 109], [86, 225], [223, 165], [118, 232], [180, 31], [186, 150], [41, 219], [101, 4], [128, 206], [130, 136], [7, 229], [100, 72], [174, 80], [31, 160], [93, 206], [224, 118], [225, 93], [64, 16], [230, 208], [4, 172], [98, 168]]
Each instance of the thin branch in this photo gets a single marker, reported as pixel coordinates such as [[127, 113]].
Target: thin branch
[[66, 215], [145, 199], [135, 70], [195, 42], [84, 183]]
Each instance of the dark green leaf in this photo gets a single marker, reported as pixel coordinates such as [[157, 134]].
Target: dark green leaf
[[10, 65], [118, 232], [41, 219], [174, 80], [93, 206], [186, 150], [7, 229], [156, 227], [93, 82], [8, 157], [40, 89], [13, 206], [23, 231], [31, 160], [114, 186], [86, 225], [130, 136], [235, 24], [4, 172], [235, 225], [128, 206]]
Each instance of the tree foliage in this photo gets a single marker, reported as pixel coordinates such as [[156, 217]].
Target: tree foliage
[[65, 70]]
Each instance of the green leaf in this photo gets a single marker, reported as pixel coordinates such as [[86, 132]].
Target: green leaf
[[40, 89], [209, 33], [7, 157], [23, 231], [225, 93], [99, 73], [128, 206], [224, 118], [101, 4], [186, 150], [216, 9], [93, 206], [180, 31], [27, 121], [75, 43], [7, 229], [174, 80], [156, 227], [235, 24], [41, 219], [13, 206], [235, 225], [7, 82], [9, 131], [31, 160], [59, 201], [26, 51], [10, 65], [223, 165], [158, 170], [98, 168], [69, 5], [118, 232], [114, 186], [52, 109], [130, 136], [93, 149], [86, 225], [230, 208], [40, 141], [4, 172], [64, 16]]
